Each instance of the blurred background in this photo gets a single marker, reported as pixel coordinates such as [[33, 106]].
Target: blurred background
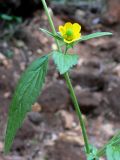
[[51, 130]]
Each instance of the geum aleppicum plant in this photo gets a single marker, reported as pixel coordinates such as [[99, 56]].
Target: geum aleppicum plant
[[31, 82]]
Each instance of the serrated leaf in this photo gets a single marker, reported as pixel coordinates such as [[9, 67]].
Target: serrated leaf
[[64, 61], [28, 89], [57, 36], [113, 152]]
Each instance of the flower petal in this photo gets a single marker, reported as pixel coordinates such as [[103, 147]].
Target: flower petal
[[71, 28], [77, 36], [76, 27], [62, 30], [68, 41], [68, 25]]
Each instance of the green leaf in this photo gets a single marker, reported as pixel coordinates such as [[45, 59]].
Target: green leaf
[[27, 91], [90, 36], [113, 152], [64, 61], [57, 36], [6, 17], [115, 141], [93, 153], [94, 35]]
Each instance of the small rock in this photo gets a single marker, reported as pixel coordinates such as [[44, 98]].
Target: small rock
[[35, 117], [22, 66], [2, 57], [41, 156], [88, 101], [54, 97], [20, 44], [64, 150], [27, 131], [80, 13], [1, 147], [113, 13], [92, 80], [108, 129], [36, 107], [13, 158], [5, 44], [39, 51], [67, 118], [7, 94], [4, 61], [116, 54], [54, 46], [96, 21], [114, 101], [116, 71], [72, 137]]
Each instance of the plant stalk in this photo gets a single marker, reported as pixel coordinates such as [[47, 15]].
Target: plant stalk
[[77, 108], [51, 22], [69, 84]]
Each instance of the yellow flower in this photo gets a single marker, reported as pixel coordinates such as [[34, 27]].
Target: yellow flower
[[70, 32]]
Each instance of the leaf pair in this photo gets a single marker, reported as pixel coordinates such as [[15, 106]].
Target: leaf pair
[[28, 89], [82, 38]]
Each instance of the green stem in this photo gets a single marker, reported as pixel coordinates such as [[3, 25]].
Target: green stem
[[51, 22], [77, 108], [68, 81]]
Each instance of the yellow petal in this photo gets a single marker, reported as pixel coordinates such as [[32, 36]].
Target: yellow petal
[[76, 27], [68, 25], [77, 36], [62, 30], [69, 41]]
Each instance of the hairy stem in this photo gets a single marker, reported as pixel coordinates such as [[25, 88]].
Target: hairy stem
[[51, 22], [69, 84], [77, 108]]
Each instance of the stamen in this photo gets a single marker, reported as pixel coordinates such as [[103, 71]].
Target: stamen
[[69, 32]]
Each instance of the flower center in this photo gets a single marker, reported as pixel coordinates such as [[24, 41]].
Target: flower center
[[69, 32]]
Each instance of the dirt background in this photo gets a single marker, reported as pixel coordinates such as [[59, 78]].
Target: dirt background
[[51, 130]]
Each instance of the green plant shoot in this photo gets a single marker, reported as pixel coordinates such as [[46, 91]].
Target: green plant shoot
[[31, 82]]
